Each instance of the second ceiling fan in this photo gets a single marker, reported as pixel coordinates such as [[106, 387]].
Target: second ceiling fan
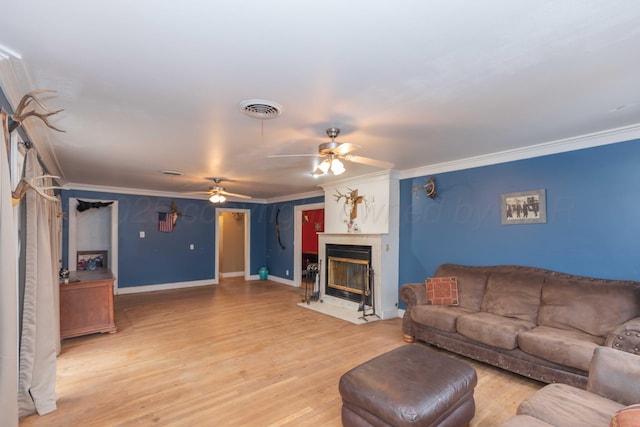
[[217, 193], [333, 151]]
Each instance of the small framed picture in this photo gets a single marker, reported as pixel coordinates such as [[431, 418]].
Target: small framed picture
[[92, 260], [525, 207]]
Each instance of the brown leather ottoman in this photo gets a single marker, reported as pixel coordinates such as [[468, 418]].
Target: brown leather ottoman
[[409, 386]]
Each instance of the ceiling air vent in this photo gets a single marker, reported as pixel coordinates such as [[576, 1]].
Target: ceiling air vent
[[260, 109]]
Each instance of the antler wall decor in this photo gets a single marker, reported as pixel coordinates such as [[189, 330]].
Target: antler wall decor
[[16, 119], [25, 184], [351, 199], [429, 188]]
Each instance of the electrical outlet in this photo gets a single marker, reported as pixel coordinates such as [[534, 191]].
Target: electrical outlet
[[142, 234], [286, 272], [192, 246]]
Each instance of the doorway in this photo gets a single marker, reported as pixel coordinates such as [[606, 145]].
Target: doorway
[[309, 224], [94, 229], [233, 249]]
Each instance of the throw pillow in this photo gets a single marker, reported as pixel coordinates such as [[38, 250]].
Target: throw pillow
[[442, 290], [626, 417]]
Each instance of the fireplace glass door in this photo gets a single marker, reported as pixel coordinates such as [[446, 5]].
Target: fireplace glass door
[[348, 274]]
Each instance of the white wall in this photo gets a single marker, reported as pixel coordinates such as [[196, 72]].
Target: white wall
[[373, 213]]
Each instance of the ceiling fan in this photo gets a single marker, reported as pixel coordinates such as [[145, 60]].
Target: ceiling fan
[[217, 193], [333, 151]]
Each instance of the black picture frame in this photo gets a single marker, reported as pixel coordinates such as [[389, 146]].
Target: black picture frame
[[524, 207]]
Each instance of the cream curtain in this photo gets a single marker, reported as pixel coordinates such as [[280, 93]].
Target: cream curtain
[[37, 373], [8, 291], [54, 214]]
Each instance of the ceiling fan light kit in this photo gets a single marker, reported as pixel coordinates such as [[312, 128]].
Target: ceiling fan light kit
[[332, 164], [333, 151], [217, 194], [217, 198]]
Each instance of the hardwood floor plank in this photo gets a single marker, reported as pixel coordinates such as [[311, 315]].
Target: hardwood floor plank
[[235, 354]]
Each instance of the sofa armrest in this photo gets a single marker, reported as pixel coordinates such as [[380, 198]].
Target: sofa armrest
[[626, 337], [414, 294], [615, 374]]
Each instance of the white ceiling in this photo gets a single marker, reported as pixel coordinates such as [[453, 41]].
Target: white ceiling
[[151, 85]]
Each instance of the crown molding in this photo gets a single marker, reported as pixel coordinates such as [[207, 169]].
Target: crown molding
[[156, 193], [6, 53], [153, 193], [293, 197], [595, 139]]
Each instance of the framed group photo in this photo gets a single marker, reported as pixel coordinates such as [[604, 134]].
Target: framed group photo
[[525, 207]]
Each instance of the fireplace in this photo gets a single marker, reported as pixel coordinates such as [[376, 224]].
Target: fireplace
[[378, 230], [348, 272]]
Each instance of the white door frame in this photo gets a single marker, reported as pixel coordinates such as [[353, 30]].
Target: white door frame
[[297, 239], [247, 242], [72, 249]]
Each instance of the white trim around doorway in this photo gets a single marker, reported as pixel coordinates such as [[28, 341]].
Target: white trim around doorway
[[297, 239], [72, 246], [247, 243]]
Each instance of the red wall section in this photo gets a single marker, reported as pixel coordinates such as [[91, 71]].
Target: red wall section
[[312, 223]]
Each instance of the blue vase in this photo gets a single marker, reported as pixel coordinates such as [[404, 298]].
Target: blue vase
[[263, 272]]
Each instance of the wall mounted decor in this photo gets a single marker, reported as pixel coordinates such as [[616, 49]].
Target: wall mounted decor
[[525, 207], [351, 201], [92, 260], [429, 188], [278, 230]]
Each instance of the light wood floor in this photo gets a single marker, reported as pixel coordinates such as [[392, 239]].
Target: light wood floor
[[236, 354]]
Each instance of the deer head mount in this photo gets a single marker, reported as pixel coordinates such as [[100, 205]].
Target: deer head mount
[[16, 119]]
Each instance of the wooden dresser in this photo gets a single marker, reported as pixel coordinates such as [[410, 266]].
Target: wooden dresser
[[86, 304]]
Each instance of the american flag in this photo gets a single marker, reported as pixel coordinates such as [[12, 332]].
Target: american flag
[[165, 222]]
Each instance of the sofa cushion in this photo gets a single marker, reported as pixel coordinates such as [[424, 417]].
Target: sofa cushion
[[563, 405], [492, 329], [440, 317], [614, 374], [569, 348], [592, 307], [513, 294], [471, 283], [629, 416], [442, 290]]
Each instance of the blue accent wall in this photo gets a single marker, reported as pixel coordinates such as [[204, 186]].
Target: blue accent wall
[[592, 228], [593, 216], [166, 257], [280, 260]]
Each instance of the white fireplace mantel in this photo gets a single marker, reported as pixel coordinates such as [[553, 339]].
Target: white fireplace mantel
[[384, 261]]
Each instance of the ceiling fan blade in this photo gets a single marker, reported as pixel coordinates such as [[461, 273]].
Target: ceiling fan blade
[[239, 196], [296, 155], [197, 192], [345, 148], [370, 162]]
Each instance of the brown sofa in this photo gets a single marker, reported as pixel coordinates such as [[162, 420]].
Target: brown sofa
[[614, 384], [537, 323]]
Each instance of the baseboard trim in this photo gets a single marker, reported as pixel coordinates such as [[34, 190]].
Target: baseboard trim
[[232, 274], [281, 280], [164, 286]]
